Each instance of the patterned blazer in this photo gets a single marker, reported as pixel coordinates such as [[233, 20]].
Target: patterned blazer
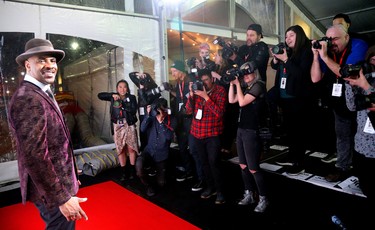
[[46, 162]]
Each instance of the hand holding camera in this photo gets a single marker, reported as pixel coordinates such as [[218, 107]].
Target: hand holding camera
[[229, 49]]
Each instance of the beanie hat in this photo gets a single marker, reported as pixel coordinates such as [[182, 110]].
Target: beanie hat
[[179, 65]]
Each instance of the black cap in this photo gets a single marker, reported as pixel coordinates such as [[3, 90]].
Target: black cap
[[257, 28]]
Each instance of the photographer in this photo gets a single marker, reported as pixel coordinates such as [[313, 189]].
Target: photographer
[[159, 127], [360, 97], [325, 69], [207, 107], [293, 89], [148, 91], [204, 62], [123, 112], [231, 110], [250, 100], [181, 93], [254, 50]]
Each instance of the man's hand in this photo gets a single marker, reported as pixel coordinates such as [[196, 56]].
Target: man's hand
[[72, 210], [202, 93]]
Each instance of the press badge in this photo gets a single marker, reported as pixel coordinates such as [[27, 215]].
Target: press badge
[[198, 116], [141, 111], [180, 106], [283, 83], [337, 90], [368, 127]]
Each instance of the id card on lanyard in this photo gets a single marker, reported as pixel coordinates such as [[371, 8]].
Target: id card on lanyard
[[337, 87]]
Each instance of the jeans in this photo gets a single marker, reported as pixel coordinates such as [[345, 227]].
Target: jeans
[[194, 153], [345, 131], [209, 149]]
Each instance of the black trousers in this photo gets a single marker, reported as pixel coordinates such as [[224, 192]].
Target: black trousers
[[54, 219]]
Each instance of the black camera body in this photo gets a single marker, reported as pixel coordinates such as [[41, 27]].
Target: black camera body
[[228, 49], [159, 103], [210, 65], [231, 74], [144, 81], [352, 71], [191, 62], [316, 44], [279, 48], [197, 85], [364, 101]]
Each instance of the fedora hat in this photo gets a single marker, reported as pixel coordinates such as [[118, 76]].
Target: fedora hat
[[37, 46]]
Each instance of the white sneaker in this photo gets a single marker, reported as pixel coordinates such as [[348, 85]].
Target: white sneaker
[[262, 205], [248, 198]]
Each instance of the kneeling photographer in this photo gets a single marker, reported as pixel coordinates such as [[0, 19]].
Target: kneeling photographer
[[148, 92], [159, 126], [250, 96], [360, 97]]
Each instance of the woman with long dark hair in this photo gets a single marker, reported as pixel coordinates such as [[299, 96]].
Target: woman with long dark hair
[[123, 116], [293, 88]]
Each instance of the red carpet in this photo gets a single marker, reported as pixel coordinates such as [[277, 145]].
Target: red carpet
[[109, 206]]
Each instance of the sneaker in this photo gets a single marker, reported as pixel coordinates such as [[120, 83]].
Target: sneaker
[[150, 171], [150, 191], [329, 159], [248, 198], [262, 204], [207, 193], [183, 176], [295, 170], [198, 186], [336, 176], [220, 198], [284, 162]]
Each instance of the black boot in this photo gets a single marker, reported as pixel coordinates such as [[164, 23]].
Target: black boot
[[123, 173], [131, 172]]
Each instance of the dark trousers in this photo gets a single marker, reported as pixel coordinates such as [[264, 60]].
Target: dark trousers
[[197, 160], [182, 134], [297, 123], [145, 160], [208, 150], [54, 219]]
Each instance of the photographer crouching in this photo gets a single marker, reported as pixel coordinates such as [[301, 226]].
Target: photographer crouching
[[148, 92], [360, 97], [159, 126]]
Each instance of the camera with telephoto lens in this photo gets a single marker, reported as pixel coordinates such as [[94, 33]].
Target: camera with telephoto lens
[[352, 71], [228, 49], [157, 90], [279, 48], [317, 45], [231, 74]]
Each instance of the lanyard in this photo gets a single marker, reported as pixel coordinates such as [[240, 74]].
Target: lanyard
[[341, 59], [182, 85]]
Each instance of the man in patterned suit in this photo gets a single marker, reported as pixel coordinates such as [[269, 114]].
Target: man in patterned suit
[[46, 165]]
